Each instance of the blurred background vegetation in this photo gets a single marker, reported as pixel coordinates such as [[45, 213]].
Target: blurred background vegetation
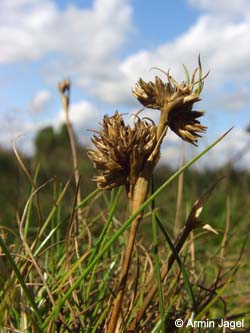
[[52, 156]]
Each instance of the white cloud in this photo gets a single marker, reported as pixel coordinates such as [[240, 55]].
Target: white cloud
[[223, 46], [17, 131], [235, 101], [31, 29], [40, 101], [223, 7], [87, 41], [24, 29], [82, 115], [233, 149]]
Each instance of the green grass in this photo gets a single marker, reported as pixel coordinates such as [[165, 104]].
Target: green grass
[[72, 256], [54, 278]]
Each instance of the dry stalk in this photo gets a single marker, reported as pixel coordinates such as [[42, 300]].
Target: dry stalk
[[225, 235], [192, 254], [140, 196], [64, 89]]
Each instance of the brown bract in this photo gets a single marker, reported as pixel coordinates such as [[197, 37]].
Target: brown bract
[[186, 125], [151, 94], [121, 151]]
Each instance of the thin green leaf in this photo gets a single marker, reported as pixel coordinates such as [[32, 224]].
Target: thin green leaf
[[187, 73], [158, 270], [182, 267]]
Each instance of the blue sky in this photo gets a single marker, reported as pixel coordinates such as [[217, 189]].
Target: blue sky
[[104, 46]]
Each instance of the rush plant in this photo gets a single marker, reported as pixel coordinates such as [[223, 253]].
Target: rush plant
[[79, 265], [127, 156]]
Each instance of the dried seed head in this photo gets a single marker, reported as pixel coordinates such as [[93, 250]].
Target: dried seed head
[[186, 125], [122, 151], [151, 95], [175, 101], [64, 86]]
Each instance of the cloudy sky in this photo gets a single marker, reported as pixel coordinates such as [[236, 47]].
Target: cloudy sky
[[104, 46]]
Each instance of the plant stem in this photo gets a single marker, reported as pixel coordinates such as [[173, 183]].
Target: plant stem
[[65, 98], [64, 88], [140, 194]]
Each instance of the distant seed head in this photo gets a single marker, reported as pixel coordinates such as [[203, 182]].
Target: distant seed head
[[64, 86]]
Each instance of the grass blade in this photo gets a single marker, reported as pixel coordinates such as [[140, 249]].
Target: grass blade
[[158, 270]]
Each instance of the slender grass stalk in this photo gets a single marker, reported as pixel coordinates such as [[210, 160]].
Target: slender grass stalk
[[103, 288], [27, 223], [58, 219], [35, 263], [177, 222], [103, 237], [158, 270], [64, 88], [87, 198], [225, 235], [192, 253], [100, 319], [48, 220]]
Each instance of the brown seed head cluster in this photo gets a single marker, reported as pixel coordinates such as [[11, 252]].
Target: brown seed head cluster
[[124, 154], [175, 101], [122, 151]]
